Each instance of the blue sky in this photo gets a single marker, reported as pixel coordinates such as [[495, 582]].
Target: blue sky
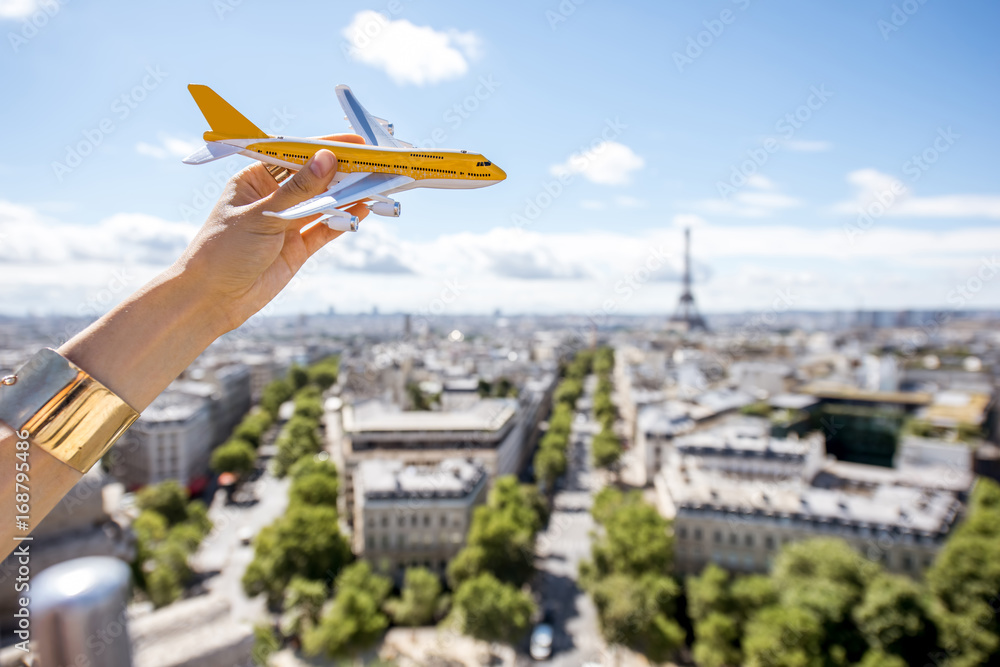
[[773, 129]]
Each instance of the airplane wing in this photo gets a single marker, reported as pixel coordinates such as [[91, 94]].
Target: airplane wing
[[376, 131], [353, 188]]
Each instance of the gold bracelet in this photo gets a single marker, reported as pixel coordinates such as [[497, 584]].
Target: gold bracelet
[[65, 411]]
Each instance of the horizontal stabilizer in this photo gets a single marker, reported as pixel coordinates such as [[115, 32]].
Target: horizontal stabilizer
[[209, 152]]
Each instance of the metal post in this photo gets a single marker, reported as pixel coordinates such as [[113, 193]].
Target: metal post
[[79, 610]]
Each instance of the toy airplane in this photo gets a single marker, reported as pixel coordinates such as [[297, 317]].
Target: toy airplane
[[382, 166]]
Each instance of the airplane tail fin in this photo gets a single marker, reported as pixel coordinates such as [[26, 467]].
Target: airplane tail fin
[[222, 117]]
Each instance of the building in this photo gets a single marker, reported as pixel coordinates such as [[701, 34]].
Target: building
[[407, 515], [492, 431], [736, 499], [172, 439]]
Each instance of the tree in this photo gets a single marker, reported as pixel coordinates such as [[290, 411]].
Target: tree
[[252, 427], [606, 449], [324, 373], [235, 456], [354, 621], [502, 535], [604, 361], [309, 403], [708, 593], [298, 439], [302, 606], [163, 585], [305, 542], [783, 636], [716, 642], [274, 395], [826, 577], [965, 578], [569, 391], [635, 541], [265, 643], [314, 465], [314, 489], [492, 611], [418, 601], [895, 618], [639, 612], [298, 377], [167, 498], [550, 464]]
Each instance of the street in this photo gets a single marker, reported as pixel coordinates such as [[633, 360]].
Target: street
[[561, 547]]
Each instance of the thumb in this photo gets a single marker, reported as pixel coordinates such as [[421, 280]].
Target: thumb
[[313, 179]]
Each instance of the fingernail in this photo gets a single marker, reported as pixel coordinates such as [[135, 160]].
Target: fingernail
[[322, 162]]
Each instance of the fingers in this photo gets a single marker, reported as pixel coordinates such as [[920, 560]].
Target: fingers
[[313, 179]]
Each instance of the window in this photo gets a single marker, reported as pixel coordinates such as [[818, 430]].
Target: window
[[748, 540], [733, 538], [444, 520], [717, 536], [413, 520], [427, 520], [697, 534], [769, 542], [401, 521], [385, 522], [682, 533]]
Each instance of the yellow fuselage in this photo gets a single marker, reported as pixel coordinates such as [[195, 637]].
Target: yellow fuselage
[[435, 168]]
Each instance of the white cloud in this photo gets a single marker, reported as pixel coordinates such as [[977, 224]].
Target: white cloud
[[52, 265], [807, 146], [625, 201], [760, 182], [607, 163], [890, 196], [410, 53], [689, 220], [18, 9], [593, 204], [757, 200], [167, 147]]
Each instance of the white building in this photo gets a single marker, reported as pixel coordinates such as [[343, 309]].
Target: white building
[[407, 515]]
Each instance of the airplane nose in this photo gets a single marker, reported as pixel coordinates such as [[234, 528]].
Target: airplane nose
[[500, 173]]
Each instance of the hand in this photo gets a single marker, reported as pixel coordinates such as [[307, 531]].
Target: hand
[[240, 258]]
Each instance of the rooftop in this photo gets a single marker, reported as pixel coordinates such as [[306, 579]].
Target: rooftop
[[173, 406], [489, 414], [451, 478]]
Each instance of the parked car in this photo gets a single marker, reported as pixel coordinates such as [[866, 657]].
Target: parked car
[[245, 535], [541, 641]]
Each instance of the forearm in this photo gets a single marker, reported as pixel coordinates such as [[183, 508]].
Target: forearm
[[45, 481], [138, 348]]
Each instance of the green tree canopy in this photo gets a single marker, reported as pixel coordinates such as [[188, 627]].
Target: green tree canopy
[[298, 377], [493, 611], [235, 456], [314, 489], [305, 541], [298, 439], [418, 600], [274, 395], [324, 373], [606, 449], [168, 498], [355, 620], [252, 427]]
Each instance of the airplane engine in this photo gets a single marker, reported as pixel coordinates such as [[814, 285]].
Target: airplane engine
[[343, 224], [389, 209]]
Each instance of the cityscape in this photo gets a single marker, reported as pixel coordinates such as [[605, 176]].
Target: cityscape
[[624, 335], [485, 467]]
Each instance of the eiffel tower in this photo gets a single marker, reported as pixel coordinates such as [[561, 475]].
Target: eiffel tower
[[687, 313]]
